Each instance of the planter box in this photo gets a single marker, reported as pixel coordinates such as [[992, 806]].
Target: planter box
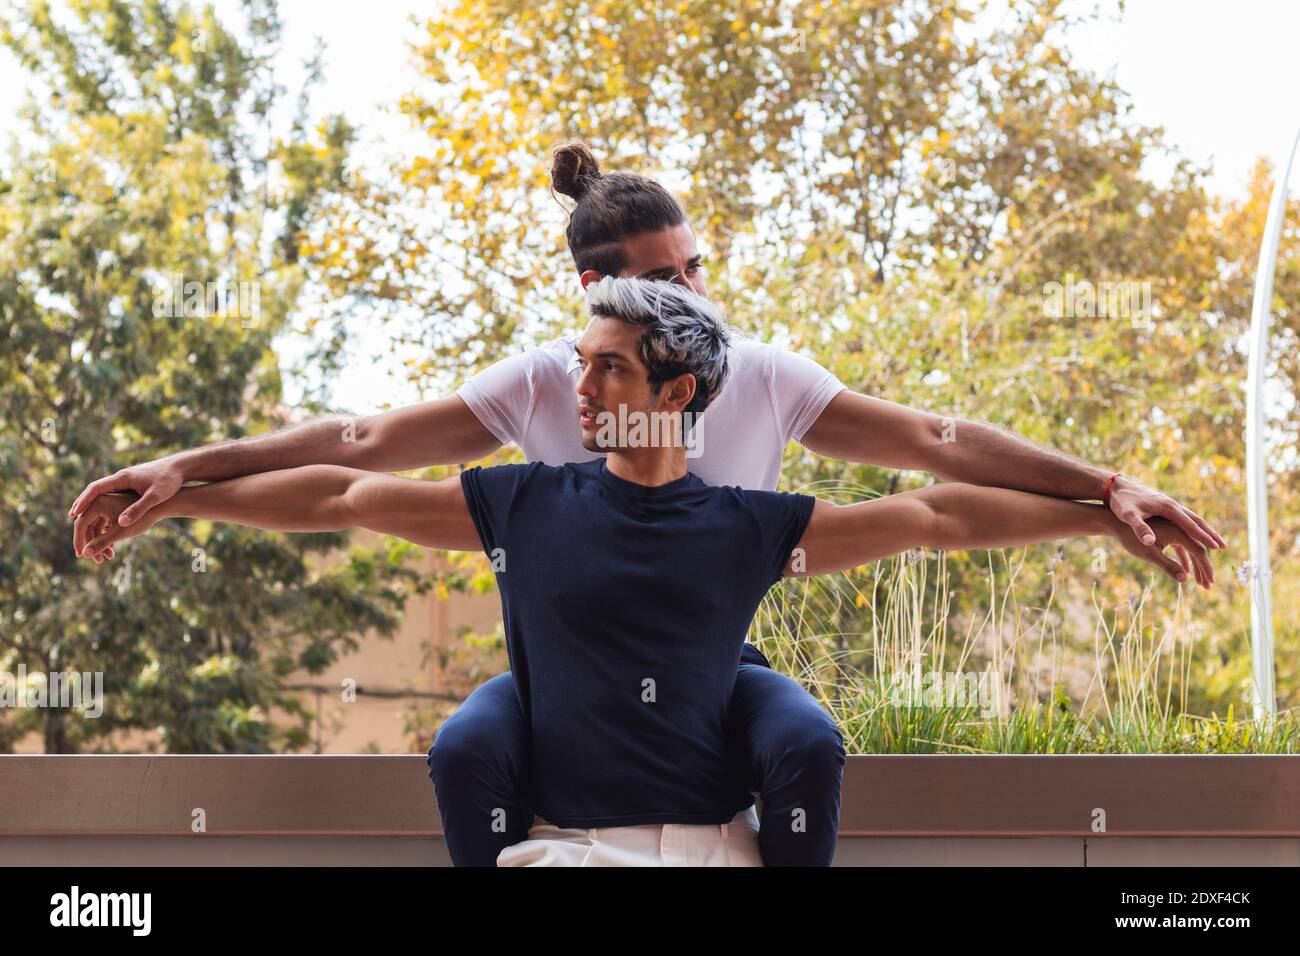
[[896, 810]]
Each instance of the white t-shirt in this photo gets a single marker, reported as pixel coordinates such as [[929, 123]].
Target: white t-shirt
[[771, 396]]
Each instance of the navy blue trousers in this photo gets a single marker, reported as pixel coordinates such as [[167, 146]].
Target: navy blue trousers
[[782, 741]]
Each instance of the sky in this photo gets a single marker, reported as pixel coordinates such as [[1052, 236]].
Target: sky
[[1220, 76]]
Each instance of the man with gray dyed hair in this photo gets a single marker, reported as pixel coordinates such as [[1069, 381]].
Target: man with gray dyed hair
[[628, 585], [681, 333]]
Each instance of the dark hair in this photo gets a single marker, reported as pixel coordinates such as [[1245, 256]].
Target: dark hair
[[611, 208]]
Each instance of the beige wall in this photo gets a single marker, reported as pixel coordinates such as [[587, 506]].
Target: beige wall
[[419, 675]]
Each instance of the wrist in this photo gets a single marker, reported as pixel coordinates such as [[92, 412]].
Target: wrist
[[183, 463], [1105, 522], [173, 507], [1108, 487]]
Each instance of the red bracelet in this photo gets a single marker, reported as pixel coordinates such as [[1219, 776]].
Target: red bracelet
[[1105, 492]]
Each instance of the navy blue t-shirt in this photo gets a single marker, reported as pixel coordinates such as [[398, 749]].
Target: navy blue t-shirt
[[625, 610]]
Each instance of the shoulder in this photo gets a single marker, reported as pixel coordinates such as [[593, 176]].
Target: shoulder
[[751, 500], [536, 473], [498, 489], [749, 353], [774, 361], [499, 478], [557, 354], [530, 361], [776, 511], [749, 365], [759, 499], [519, 471], [574, 474]]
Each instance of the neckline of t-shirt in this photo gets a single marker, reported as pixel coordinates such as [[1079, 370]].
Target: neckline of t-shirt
[[633, 488]]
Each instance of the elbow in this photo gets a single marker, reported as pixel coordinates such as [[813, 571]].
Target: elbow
[[329, 492], [364, 431], [351, 501], [934, 443], [945, 511], [933, 526]]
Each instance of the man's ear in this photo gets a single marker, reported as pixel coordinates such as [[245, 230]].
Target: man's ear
[[589, 276], [681, 391]]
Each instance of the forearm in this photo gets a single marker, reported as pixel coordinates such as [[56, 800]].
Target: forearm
[[857, 427], [969, 516], [341, 442], [980, 454], [312, 498]]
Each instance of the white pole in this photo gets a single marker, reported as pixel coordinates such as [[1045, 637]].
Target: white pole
[[1263, 698]]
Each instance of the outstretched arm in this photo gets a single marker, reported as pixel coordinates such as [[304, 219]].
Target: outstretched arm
[[442, 432], [959, 516], [312, 498], [857, 427]]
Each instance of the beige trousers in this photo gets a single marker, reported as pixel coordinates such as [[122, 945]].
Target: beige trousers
[[652, 844]]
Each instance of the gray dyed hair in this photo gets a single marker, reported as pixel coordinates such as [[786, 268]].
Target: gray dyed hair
[[681, 331]]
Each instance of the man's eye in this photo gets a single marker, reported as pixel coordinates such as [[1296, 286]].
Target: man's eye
[[611, 366]]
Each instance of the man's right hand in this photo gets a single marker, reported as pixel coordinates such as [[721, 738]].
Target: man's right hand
[[154, 482], [101, 530], [1193, 560]]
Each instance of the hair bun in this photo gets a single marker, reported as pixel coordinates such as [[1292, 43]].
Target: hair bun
[[574, 169]]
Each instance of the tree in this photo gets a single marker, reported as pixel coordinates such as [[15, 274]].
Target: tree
[[151, 226]]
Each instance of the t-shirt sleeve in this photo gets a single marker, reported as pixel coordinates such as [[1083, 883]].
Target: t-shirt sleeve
[[501, 395], [782, 518], [489, 495], [800, 390]]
